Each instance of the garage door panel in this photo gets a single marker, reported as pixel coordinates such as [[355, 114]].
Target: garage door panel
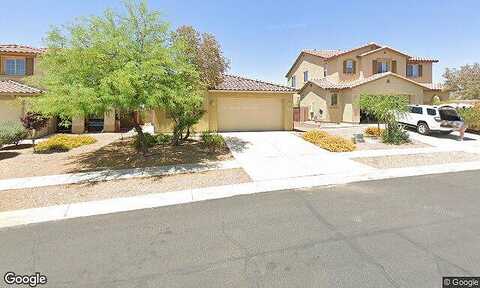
[[249, 114]]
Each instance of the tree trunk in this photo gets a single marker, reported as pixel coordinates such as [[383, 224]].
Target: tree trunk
[[187, 134], [33, 139], [141, 136]]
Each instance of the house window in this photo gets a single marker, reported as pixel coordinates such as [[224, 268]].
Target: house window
[[293, 82], [325, 72], [305, 76], [349, 67], [334, 100], [15, 66], [383, 66], [413, 70]]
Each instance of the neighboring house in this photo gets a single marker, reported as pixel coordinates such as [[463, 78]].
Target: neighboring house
[[241, 104], [330, 82], [16, 63]]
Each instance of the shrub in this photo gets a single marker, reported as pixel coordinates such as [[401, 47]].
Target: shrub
[[471, 116], [329, 142], [336, 144], [213, 141], [150, 141], [373, 131], [12, 133], [62, 143], [315, 135], [163, 139], [395, 135]]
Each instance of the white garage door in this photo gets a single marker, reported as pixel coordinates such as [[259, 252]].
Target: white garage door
[[249, 114]]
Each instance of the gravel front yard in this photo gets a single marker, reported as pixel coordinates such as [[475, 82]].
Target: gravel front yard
[[400, 161], [64, 194], [111, 151]]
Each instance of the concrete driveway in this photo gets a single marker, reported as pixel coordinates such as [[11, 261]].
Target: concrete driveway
[[277, 155]]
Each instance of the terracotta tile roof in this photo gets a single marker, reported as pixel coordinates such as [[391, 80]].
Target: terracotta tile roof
[[325, 83], [13, 48], [382, 48], [421, 59], [323, 53], [433, 86], [12, 87], [237, 83]]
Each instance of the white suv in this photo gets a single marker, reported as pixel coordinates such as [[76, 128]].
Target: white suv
[[427, 119]]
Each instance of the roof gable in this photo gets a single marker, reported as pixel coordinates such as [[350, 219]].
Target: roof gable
[[327, 84], [326, 54], [383, 48]]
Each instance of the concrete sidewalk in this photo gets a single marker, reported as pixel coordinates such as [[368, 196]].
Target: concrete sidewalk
[[106, 175]]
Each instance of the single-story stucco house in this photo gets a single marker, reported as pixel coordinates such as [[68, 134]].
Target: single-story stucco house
[[240, 104]]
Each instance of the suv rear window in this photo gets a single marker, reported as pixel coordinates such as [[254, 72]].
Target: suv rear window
[[449, 115], [431, 111], [416, 110]]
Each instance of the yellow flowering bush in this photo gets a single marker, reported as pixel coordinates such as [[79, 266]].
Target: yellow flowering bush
[[314, 136], [329, 142], [62, 143], [373, 131]]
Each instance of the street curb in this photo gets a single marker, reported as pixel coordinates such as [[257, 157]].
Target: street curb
[[85, 209]]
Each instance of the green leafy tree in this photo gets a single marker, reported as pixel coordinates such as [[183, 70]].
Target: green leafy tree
[[203, 51], [387, 109], [119, 61], [464, 82]]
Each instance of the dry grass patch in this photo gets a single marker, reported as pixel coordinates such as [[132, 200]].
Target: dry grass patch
[[122, 154]]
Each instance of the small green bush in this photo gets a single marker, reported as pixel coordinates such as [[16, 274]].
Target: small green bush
[[63, 143], [471, 116], [163, 139], [150, 140], [213, 141], [395, 134], [12, 133]]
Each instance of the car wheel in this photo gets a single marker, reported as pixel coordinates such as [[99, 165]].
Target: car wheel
[[423, 129]]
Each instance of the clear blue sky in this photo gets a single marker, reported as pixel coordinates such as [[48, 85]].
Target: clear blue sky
[[262, 38]]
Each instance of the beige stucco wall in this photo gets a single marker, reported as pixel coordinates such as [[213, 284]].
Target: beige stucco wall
[[386, 85], [316, 98], [427, 71], [11, 109], [209, 121], [366, 62], [428, 96], [348, 109], [335, 66]]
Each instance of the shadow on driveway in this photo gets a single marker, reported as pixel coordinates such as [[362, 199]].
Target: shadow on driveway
[[236, 144]]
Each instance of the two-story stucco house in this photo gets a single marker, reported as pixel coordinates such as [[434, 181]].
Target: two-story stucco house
[[16, 63], [330, 82]]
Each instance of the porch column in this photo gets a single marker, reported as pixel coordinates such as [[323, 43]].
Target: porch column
[[78, 125], [109, 121]]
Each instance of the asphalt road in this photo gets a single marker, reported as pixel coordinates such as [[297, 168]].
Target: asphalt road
[[406, 232]]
